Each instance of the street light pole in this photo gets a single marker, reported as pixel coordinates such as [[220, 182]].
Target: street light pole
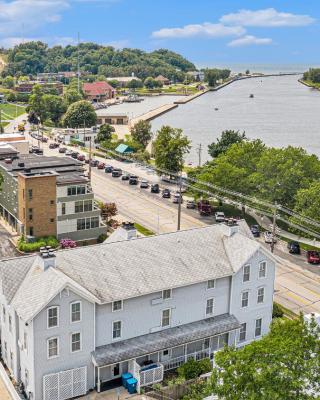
[[90, 149], [274, 227], [179, 204]]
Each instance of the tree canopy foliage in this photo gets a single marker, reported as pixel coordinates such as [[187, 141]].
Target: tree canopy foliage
[[80, 114], [212, 75], [312, 75], [141, 133], [222, 144], [34, 57]]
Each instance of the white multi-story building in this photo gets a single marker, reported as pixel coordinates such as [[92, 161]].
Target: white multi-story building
[[78, 319]]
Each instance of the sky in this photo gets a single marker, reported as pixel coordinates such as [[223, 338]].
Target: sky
[[207, 32]]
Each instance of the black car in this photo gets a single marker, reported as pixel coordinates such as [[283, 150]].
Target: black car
[[294, 248], [62, 149], [166, 194], [108, 169], [125, 177], [133, 180], [94, 163], [53, 145], [116, 172], [255, 230], [75, 154], [155, 188]]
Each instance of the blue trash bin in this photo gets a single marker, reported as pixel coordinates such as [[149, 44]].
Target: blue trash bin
[[132, 385], [125, 378]]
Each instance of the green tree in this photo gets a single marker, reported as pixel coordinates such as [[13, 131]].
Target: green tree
[[8, 82], [223, 143], [72, 96], [141, 133], [54, 106], [283, 365], [170, 147], [105, 133], [150, 83], [80, 114], [36, 104], [135, 84]]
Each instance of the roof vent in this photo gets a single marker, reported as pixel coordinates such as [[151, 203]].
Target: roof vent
[[47, 257], [21, 164], [233, 226]]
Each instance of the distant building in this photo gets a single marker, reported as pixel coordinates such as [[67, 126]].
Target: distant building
[[197, 75], [123, 80], [15, 140], [105, 116], [163, 80], [26, 87], [43, 196], [56, 76], [98, 91]]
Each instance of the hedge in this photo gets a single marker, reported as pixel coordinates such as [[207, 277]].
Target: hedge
[[35, 246]]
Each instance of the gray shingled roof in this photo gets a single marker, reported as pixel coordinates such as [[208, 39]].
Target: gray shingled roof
[[171, 337]]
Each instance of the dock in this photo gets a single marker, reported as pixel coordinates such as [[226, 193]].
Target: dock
[[186, 99], [148, 116]]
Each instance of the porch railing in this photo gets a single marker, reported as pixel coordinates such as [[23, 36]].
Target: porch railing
[[152, 375], [178, 361]]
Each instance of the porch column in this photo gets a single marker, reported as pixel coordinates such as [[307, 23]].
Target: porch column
[[98, 382]]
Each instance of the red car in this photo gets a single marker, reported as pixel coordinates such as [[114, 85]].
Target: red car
[[101, 165], [313, 257], [81, 157]]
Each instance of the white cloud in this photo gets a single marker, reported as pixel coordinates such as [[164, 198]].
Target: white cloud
[[206, 29], [27, 15], [268, 17], [249, 40]]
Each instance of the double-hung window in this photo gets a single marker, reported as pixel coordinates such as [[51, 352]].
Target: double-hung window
[[53, 347], [243, 332], [166, 294], [244, 299], [211, 284], [76, 311], [75, 342], [166, 317], [260, 298], [246, 273], [116, 330], [262, 269], [117, 305], [258, 327], [53, 317], [210, 307]]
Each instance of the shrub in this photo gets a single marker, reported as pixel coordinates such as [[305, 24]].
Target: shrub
[[102, 238], [192, 369], [277, 311], [205, 366], [68, 244], [35, 246]]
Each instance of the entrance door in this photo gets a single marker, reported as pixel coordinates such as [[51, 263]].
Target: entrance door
[[115, 371]]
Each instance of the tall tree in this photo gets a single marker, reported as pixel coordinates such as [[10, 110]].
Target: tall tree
[[141, 133], [223, 143], [80, 114], [283, 365], [170, 147], [54, 106], [105, 133], [36, 104]]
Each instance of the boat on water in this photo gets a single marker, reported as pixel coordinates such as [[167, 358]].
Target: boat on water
[[251, 96], [216, 109], [133, 98]]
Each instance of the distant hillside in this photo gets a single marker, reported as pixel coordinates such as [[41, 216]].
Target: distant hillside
[[33, 57]]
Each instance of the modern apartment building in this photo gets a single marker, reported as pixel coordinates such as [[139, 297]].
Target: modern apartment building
[[43, 196], [145, 305]]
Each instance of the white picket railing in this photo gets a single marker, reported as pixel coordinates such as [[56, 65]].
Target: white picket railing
[[178, 361], [152, 375]]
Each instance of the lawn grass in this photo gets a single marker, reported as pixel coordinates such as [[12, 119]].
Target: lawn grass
[[10, 111], [144, 231], [312, 84]]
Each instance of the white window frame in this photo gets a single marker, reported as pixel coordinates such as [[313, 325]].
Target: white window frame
[[166, 326], [71, 304], [58, 315], [75, 351], [245, 332], [255, 327], [118, 337], [117, 301], [208, 284], [243, 273], [58, 347], [242, 293], [212, 313], [264, 295], [165, 297], [265, 270]]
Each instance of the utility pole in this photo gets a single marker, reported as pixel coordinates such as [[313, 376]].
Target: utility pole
[[78, 63], [274, 227], [0, 121], [199, 151], [179, 204], [90, 149]]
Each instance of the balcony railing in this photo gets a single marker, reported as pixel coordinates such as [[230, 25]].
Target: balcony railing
[[178, 361], [153, 374]]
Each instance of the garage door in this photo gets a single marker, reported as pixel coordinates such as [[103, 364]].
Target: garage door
[[65, 384]]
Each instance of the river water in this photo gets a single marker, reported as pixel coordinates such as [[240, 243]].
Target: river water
[[283, 112]]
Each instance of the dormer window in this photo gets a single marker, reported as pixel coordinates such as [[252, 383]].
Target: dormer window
[[117, 305], [166, 294], [246, 273], [53, 317]]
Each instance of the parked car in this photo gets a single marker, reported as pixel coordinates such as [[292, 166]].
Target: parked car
[[94, 163], [81, 157], [166, 194], [108, 169], [294, 248], [255, 230], [53, 145], [75, 154], [117, 172], [144, 184], [125, 177], [44, 139], [268, 237], [69, 152], [101, 165], [133, 180], [62, 149], [191, 204], [35, 150], [155, 188], [219, 216], [313, 257], [204, 207], [177, 198]]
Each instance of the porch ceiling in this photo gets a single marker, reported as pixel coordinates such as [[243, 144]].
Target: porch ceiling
[[171, 337]]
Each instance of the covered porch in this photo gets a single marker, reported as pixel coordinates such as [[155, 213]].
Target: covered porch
[[149, 356]]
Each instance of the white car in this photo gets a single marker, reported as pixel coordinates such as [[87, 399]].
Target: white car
[[268, 237], [176, 198], [219, 216]]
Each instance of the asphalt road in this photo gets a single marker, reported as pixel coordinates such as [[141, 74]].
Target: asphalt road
[[297, 285]]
